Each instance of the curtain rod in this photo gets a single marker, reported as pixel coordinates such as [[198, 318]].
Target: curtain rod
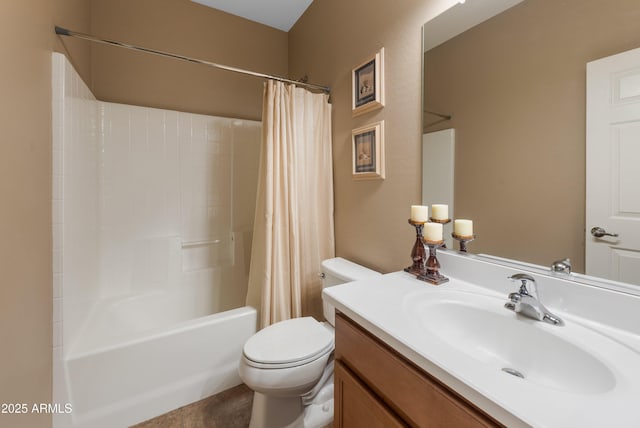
[[443, 116], [65, 32]]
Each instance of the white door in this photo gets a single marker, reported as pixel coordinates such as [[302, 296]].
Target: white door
[[613, 167]]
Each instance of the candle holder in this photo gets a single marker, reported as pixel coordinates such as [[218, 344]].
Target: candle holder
[[442, 222], [418, 252], [463, 241], [437, 220], [431, 273]]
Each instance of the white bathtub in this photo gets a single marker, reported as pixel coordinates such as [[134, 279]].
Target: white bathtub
[[141, 356]]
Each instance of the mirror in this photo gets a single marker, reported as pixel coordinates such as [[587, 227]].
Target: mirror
[[514, 88]]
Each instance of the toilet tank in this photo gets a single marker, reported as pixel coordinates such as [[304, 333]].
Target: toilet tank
[[338, 271]]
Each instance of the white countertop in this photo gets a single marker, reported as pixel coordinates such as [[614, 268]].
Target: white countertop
[[399, 310]]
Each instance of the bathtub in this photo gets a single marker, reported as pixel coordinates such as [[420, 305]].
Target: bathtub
[[143, 355]]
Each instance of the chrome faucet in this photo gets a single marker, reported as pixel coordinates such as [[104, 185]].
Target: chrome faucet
[[526, 301], [562, 266]]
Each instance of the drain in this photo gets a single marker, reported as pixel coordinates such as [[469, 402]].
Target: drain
[[513, 372]]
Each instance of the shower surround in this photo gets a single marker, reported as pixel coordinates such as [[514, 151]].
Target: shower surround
[[152, 220]]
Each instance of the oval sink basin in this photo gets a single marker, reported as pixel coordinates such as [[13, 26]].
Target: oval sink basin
[[480, 327]]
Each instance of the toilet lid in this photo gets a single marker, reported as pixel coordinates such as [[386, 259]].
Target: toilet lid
[[288, 343]]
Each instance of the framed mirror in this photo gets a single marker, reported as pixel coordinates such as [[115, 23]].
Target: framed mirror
[[511, 79]]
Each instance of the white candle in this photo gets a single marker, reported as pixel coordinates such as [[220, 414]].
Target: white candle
[[419, 213], [463, 227], [433, 231], [440, 212]]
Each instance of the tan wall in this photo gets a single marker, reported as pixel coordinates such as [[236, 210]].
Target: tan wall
[[517, 93], [74, 15], [26, 41], [331, 38], [189, 29]]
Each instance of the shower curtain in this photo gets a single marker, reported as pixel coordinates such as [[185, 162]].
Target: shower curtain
[[293, 228]]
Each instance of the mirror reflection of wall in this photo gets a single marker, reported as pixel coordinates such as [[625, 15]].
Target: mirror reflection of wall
[[515, 87]]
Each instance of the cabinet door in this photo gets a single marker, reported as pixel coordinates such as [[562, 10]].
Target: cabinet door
[[356, 406]]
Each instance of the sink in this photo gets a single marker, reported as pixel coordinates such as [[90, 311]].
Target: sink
[[563, 358]]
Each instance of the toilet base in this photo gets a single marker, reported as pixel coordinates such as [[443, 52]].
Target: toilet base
[[289, 412], [281, 412]]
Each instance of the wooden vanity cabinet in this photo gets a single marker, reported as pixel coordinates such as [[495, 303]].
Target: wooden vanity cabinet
[[357, 405], [377, 387]]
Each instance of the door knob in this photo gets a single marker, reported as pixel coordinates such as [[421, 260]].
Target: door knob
[[599, 232]]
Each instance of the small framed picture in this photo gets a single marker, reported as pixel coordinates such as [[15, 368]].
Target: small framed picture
[[368, 152], [367, 82]]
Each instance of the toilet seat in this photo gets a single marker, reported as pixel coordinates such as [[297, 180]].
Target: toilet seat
[[289, 343]]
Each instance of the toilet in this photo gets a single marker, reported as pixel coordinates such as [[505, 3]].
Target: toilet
[[289, 364]]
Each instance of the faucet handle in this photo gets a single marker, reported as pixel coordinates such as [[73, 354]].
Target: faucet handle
[[523, 278], [515, 297]]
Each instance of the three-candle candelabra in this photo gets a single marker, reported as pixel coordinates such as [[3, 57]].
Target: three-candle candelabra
[[429, 235], [427, 268]]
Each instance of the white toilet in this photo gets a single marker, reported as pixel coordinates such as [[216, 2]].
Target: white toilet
[[289, 364]]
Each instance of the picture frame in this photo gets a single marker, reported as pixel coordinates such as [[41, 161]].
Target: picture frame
[[368, 152], [367, 85]]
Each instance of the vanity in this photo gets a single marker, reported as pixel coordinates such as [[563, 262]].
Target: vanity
[[376, 386], [412, 354]]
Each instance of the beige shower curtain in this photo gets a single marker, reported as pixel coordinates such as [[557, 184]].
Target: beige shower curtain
[[293, 228]]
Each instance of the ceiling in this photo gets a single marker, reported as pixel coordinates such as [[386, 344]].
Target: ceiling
[[280, 14], [462, 16]]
